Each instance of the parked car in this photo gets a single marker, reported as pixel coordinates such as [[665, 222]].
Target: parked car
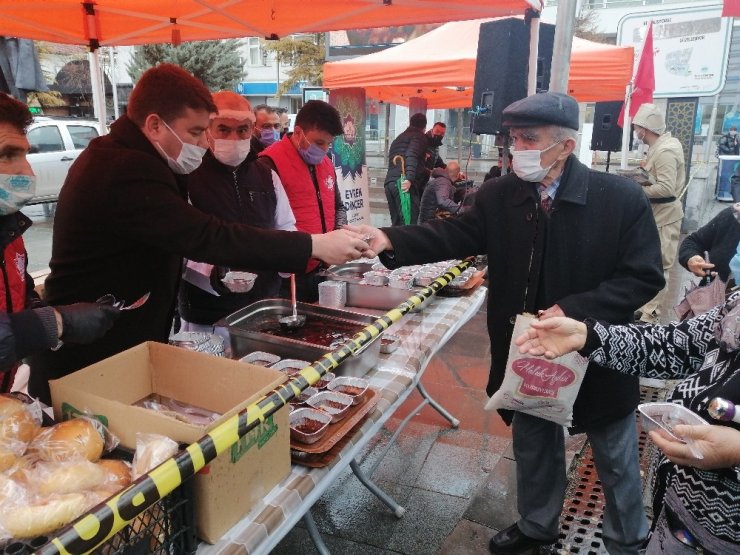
[[55, 144]]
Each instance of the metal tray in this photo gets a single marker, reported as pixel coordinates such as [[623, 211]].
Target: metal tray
[[362, 295], [244, 339]]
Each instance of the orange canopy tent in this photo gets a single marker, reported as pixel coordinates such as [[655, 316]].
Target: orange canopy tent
[[439, 66], [126, 22]]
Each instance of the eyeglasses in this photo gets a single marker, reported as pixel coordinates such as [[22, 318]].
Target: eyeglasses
[[277, 126]]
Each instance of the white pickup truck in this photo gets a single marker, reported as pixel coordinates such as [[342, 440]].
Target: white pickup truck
[[55, 144]]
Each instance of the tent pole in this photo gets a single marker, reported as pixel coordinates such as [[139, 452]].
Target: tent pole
[[114, 79], [387, 134], [460, 123], [533, 18], [627, 127], [562, 45], [98, 89], [710, 130]]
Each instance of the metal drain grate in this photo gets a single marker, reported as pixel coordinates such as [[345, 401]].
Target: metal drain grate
[[581, 520]]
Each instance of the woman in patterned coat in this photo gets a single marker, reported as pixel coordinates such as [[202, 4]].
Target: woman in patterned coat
[[696, 501]]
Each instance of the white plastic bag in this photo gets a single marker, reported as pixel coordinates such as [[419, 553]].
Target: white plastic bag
[[537, 386]]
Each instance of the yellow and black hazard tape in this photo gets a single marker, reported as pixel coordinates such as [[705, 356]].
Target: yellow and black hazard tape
[[99, 525]]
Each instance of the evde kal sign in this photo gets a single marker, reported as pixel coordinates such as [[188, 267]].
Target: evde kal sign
[[537, 386]]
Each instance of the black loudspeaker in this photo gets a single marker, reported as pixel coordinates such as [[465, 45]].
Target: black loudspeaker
[[607, 135], [502, 68]]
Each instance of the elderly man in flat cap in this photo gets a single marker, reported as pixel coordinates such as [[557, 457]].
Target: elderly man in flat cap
[[667, 173], [561, 239]]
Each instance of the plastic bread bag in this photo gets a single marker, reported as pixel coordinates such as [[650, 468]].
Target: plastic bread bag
[[36, 516], [151, 451], [72, 476], [81, 437], [18, 421], [537, 386]]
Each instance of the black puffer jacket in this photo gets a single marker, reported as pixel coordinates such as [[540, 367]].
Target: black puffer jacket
[[719, 238], [411, 144], [438, 194]]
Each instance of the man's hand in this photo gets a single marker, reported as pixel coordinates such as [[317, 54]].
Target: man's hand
[[720, 446], [376, 239], [85, 322], [551, 312], [405, 185], [339, 246], [552, 338], [698, 266]]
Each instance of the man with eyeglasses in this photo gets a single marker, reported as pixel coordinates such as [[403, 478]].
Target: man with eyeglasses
[[266, 128], [237, 188], [561, 239]]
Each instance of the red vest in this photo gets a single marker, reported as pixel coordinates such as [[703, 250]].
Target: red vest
[[301, 191], [14, 276]]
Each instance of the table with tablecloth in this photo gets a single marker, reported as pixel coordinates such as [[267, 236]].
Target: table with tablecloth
[[394, 378]]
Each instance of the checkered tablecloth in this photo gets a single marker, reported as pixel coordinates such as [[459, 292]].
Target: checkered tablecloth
[[394, 377]]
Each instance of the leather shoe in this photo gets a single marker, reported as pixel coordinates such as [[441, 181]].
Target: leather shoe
[[513, 541]]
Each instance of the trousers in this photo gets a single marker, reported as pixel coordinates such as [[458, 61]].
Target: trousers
[[669, 235], [539, 449]]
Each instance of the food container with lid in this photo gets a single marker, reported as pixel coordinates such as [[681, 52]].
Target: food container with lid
[[665, 416], [308, 425], [353, 387], [376, 278], [260, 358], [333, 293], [332, 403]]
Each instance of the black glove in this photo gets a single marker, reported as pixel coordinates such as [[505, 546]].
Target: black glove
[[86, 322]]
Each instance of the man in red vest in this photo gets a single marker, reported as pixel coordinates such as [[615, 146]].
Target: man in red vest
[[310, 181], [26, 325]]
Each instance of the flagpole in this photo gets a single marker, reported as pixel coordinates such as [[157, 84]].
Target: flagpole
[[627, 127]]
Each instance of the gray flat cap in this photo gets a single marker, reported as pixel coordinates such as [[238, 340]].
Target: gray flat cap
[[547, 108]]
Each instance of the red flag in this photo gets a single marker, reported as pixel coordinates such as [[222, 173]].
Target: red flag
[[644, 82], [731, 8]]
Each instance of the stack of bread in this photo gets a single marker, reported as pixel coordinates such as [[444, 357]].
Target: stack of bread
[[50, 476]]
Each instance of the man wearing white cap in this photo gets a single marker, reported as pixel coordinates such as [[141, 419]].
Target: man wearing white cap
[[665, 167], [235, 189]]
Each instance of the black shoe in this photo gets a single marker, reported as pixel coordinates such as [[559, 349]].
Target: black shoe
[[513, 541]]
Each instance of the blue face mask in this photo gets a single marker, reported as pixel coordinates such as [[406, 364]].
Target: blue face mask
[[268, 136], [312, 154], [735, 264]]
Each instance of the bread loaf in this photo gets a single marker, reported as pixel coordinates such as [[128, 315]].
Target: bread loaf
[[73, 439]]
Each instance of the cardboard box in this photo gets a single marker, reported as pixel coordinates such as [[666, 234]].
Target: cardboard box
[[231, 484]]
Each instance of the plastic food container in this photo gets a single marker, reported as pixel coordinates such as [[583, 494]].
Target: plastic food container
[[664, 416], [260, 358], [332, 403], [290, 366], [308, 425], [389, 343], [400, 281], [353, 387], [239, 282]]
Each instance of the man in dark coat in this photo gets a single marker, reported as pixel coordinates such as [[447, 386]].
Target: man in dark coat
[[561, 239], [123, 222], [411, 145], [432, 159]]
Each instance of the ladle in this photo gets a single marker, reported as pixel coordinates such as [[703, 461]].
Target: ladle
[[295, 320]]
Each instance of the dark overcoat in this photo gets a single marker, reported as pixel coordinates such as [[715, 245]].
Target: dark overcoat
[[122, 226], [597, 254]]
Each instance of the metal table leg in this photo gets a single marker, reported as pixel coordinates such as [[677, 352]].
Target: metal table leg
[[439, 408], [376, 491], [314, 534]]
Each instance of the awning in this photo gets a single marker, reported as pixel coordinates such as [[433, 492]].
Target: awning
[[126, 22], [440, 67]]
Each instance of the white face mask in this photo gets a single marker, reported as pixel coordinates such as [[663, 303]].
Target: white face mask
[[527, 164], [188, 160], [231, 153], [15, 192]]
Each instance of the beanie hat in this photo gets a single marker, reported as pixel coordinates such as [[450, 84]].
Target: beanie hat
[[649, 117]]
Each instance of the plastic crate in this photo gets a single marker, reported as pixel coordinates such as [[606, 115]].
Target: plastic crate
[[165, 528]]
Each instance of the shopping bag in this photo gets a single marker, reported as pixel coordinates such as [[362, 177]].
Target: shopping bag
[[699, 299], [537, 386]]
